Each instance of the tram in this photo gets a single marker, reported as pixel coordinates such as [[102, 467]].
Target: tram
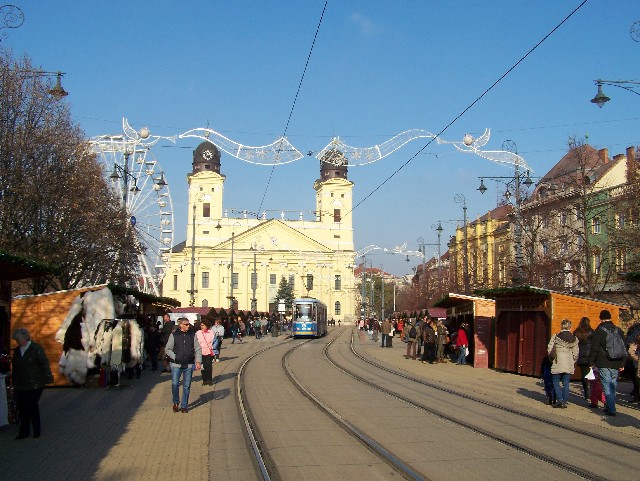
[[310, 317]]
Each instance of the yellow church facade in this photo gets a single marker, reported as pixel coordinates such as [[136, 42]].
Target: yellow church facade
[[239, 261]]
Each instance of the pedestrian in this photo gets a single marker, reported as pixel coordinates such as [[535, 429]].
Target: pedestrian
[[168, 326], [375, 330], [400, 329], [205, 338], [429, 341], [462, 343], [547, 379], [634, 347], [584, 333], [258, 327], [412, 334], [442, 339], [218, 330], [607, 337], [385, 329], [183, 350], [30, 372], [152, 345], [563, 352]]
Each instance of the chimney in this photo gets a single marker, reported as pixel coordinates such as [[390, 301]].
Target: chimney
[[632, 165], [604, 155]]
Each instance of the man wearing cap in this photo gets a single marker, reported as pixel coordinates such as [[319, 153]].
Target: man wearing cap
[[183, 350], [608, 368]]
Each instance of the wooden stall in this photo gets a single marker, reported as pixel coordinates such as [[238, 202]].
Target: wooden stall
[[526, 317], [479, 313]]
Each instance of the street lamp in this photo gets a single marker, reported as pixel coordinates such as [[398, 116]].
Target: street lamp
[[460, 199], [517, 180], [439, 230], [600, 98]]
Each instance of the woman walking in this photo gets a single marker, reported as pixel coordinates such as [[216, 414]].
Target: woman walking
[[563, 352], [205, 337]]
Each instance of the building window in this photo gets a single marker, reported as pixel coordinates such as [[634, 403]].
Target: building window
[[254, 281], [545, 248], [597, 262], [563, 217], [205, 280], [595, 225], [206, 210], [234, 280], [205, 303], [621, 221], [205, 232], [621, 260], [336, 215], [338, 282], [272, 279], [292, 281], [175, 282], [337, 308], [309, 282]]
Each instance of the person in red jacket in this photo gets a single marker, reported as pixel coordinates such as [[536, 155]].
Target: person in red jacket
[[462, 344]]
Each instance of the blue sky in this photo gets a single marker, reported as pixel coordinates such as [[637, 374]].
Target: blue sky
[[378, 68]]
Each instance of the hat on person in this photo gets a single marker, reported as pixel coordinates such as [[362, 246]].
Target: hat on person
[[605, 315]]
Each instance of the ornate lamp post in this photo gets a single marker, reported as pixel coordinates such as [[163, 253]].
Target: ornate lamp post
[[460, 199]]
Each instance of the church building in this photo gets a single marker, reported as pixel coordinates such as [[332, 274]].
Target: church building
[[239, 262]]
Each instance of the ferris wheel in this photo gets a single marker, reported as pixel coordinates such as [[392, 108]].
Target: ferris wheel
[[138, 181]]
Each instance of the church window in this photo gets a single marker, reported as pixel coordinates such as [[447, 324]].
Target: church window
[[206, 210], [338, 282], [234, 280], [175, 282], [309, 282], [272, 279], [336, 215], [292, 281], [205, 280], [337, 308], [205, 303], [205, 232]]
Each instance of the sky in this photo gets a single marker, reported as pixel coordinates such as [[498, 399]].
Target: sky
[[377, 68]]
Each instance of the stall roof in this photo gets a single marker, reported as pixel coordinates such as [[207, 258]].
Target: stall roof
[[453, 299], [520, 290], [13, 268]]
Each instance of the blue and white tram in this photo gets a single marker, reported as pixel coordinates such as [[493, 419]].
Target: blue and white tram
[[309, 317]]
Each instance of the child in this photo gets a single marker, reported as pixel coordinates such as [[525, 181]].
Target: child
[[597, 393], [545, 370]]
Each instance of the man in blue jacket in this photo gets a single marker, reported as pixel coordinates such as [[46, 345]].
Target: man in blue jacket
[[183, 350], [607, 367]]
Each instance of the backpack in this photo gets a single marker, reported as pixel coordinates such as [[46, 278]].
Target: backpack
[[413, 333], [616, 348], [258, 323]]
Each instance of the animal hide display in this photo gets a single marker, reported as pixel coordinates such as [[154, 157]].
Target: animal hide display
[[136, 345], [116, 348], [73, 365], [74, 310]]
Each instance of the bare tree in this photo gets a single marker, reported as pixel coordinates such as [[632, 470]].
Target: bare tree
[[55, 205]]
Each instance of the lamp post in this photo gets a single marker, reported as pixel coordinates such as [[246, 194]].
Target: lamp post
[[233, 238], [600, 98], [439, 230], [382, 287], [254, 282], [517, 180], [363, 309], [460, 199]]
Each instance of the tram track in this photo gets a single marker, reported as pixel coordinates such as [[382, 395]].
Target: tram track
[[507, 409], [267, 466], [487, 433]]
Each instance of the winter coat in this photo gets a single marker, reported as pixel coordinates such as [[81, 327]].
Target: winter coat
[[205, 339], [183, 349], [461, 339], [407, 330], [584, 349], [30, 370], [386, 327], [566, 352], [428, 334], [598, 355]]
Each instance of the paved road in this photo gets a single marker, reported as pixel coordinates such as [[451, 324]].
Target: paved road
[[132, 433]]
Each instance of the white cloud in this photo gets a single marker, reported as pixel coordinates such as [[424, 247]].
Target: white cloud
[[366, 26]]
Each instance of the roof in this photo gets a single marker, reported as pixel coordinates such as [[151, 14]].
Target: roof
[[203, 311], [13, 268], [520, 290], [438, 312], [452, 299]]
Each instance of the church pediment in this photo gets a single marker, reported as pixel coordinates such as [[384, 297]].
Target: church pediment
[[275, 236]]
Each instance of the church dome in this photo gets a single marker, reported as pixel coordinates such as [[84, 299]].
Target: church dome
[[206, 157], [333, 164]]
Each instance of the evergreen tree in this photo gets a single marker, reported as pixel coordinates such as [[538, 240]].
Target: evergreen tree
[[285, 292]]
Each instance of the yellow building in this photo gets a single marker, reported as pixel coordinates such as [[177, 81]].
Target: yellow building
[[243, 259], [488, 257]]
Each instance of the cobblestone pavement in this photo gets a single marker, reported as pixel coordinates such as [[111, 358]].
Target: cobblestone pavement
[[132, 433]]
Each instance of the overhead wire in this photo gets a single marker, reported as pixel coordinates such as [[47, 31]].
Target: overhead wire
[[295, 99], [468, 107]]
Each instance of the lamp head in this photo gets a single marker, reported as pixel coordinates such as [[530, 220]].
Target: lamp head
[[482, 188], [600, 99]]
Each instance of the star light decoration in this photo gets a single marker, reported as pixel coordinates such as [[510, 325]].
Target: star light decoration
[[283, 152]]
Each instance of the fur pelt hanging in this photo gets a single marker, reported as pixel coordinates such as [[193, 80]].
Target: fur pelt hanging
[[96, 306], [116, 348], [136, 344]]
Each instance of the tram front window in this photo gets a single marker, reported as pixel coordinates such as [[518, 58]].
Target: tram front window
[[303, 310]]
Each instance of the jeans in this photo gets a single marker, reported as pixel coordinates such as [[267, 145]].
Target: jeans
[[562, 395], [186, 373], [411, 349], [609, 380], [385, 340], [462, 355]]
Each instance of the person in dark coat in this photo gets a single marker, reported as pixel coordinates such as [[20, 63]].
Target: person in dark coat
[[152, 345], [608, 368], [168, 327], [30, 373], [584, 333]]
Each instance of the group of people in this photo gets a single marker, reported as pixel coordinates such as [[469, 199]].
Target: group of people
[[427, 336], [599, 353]]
